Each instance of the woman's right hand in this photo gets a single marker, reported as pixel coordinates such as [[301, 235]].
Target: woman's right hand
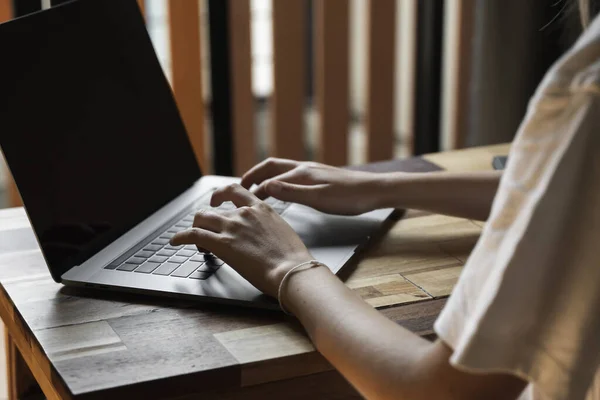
[[322, 187]]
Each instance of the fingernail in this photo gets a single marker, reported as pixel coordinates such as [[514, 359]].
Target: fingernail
[[275, 187]]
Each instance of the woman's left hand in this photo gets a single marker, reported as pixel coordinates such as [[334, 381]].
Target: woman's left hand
[[253, 239]]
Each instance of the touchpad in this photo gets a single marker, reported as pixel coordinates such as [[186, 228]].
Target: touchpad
[[14, 240], [322, 230]]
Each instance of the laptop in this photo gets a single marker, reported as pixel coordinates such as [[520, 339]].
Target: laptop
[[93, 137]]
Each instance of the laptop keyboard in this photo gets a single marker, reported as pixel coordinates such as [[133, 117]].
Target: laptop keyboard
[[159, 258]]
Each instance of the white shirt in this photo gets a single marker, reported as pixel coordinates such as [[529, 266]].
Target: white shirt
[[528, 300]]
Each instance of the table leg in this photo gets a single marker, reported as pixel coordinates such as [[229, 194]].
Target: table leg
[[21, 383]]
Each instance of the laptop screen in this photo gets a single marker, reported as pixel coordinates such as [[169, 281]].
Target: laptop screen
[[88, 126]]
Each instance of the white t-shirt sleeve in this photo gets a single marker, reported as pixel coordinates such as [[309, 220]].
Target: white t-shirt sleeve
[[528, 300]]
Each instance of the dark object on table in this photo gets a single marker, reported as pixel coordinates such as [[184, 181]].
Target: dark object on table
[[499, 162]]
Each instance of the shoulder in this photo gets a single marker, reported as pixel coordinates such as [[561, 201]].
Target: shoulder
[[578, 70], [566, 102]]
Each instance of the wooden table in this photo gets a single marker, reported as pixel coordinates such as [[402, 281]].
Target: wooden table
[[88, 344]]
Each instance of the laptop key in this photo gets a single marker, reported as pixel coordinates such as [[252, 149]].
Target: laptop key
[[153, 247], [162, 241], [206, 268], [227, 205], [144, 254], [186, 269], [166, 269], [210, 263], [147, 267], [127, 267], [113, 265], [169, 247], [165, 252], [200, 275], [214, 260], [178, 259], [135, 260], [167, 235], [199, 257], [158, 259], [186, 253]]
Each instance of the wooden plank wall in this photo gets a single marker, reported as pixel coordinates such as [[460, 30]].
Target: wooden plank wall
[[289, 79], [381, 62], [14, 199], [186, 66], [19, 379], [142, 4], [331, 46], [406, 36], [459, 29], [242, 100], [5, 10]]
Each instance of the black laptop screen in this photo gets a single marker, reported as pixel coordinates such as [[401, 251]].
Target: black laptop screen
[[88, 126]]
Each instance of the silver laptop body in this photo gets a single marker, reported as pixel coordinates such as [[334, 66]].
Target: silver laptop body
[[332, 240]]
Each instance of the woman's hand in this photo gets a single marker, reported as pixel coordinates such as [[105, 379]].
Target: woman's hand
[[253, 239], [322, 187]]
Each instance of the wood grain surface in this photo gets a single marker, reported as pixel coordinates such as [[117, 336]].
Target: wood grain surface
[[81, 343]]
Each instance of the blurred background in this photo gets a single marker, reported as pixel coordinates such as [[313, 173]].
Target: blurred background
[[345, 81]]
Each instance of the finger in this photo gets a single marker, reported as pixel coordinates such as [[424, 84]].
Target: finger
[[290, 192], [267, 169], [236, 194], [293, 176], [209, 220], [203, 250], [200, 237]]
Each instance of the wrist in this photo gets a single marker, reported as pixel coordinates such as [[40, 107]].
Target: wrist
[[392, 189], [298, 283], [278, 273], [374, 189]]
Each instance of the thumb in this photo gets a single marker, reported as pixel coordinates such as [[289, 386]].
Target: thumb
[[292, 192]]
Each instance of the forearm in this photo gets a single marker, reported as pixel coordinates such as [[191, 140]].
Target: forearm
[[465, 195], [373, 353], [379, 358]]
